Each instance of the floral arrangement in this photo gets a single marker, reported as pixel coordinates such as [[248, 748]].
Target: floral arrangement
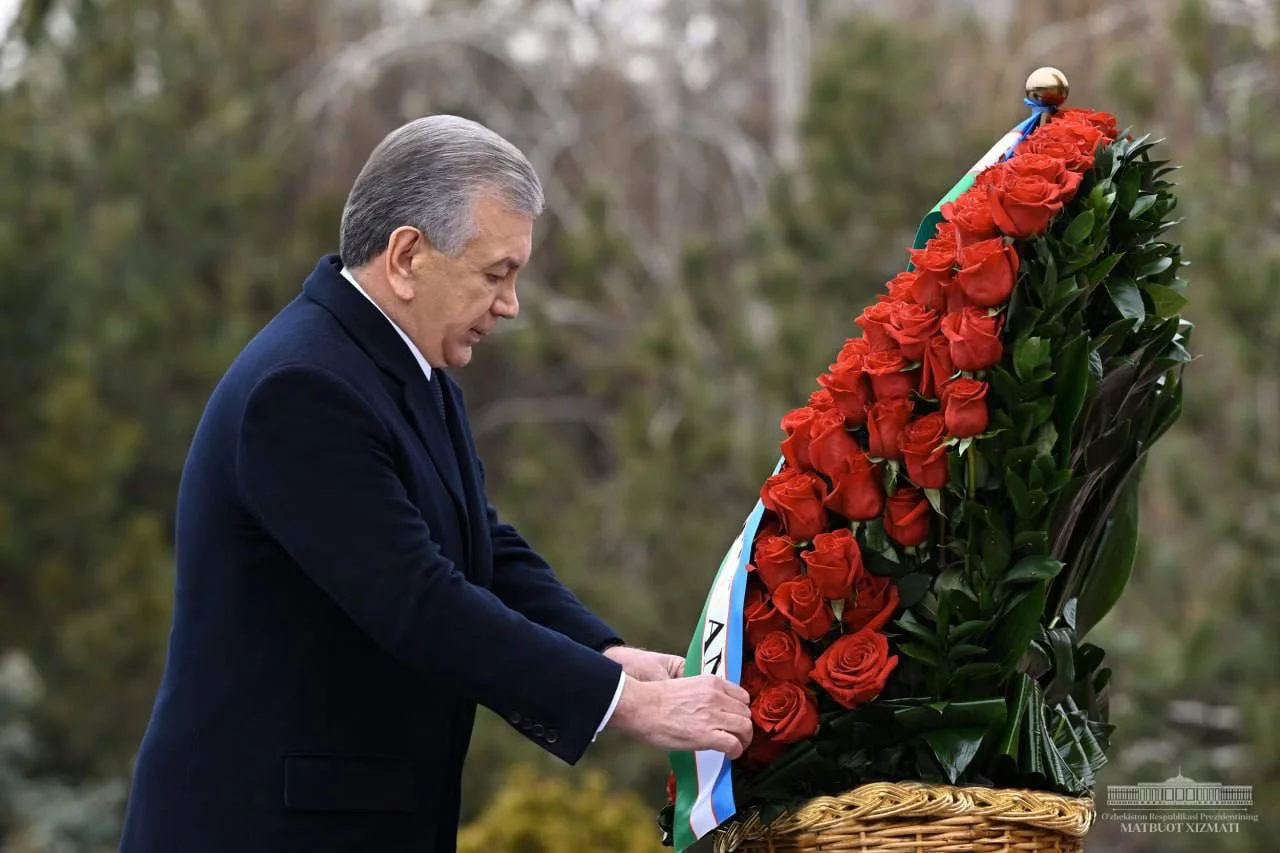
[[956, 505]]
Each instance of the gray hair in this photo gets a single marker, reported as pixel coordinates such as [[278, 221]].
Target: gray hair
[[427, 174]]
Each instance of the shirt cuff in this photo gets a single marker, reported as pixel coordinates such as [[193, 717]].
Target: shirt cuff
[[617, 694]]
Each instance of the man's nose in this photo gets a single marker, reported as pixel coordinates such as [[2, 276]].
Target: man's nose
[[507, 305]]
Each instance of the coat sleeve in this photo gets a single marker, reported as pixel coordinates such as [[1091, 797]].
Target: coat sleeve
[[314, 468], [525, 582]]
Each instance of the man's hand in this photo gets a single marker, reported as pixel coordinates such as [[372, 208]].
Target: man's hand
[[644, 665], [686, 714]]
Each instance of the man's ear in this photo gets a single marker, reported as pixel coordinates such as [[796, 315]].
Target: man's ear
[[406, 253]]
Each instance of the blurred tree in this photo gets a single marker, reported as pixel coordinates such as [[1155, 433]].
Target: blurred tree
[[529, 814], [44, 815], [160, 221]]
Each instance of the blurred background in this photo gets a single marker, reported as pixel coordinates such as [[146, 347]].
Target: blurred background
[[730, 182]]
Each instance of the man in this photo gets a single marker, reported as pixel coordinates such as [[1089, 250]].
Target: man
[[346, 595]]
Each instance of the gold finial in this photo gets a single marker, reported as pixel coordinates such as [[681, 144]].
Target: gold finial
[[1048, 87]]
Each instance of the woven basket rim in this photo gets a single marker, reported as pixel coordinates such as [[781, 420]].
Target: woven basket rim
[[1070, 817]]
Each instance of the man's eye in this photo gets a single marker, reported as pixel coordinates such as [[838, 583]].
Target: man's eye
[[494, 278]]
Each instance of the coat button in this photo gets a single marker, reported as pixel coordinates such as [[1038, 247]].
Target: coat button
[[514, 718], [552, 736], [528, 725], [538, 730]]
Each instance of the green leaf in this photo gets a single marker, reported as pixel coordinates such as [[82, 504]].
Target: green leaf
[[968, 630], [952, 581], [1018, 625], [976, 671], [1071, 382], [1167, 301], [965, 650], [1028, 355], [1020, 691], [920, 652], [1155, 267], [1031, 540], [1064, 665], [912, 587], [935, 500], [996, 549], [918, 629], [1127, 299], [1037, 568], [1142, 205], [1102, 268], [1105, 578], [1046, 437], [1019, 496], [954, 749], [1128, 187], [1080, 229]]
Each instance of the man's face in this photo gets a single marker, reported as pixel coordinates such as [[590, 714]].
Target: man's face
[[457, 301]]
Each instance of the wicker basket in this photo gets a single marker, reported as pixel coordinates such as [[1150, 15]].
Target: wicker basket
[[919, 818]]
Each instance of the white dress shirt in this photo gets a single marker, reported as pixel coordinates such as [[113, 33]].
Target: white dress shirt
[[426, 369]]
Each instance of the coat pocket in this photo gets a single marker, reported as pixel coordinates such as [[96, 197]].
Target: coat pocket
[[319, 782]]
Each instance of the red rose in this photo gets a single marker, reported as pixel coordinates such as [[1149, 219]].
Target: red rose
[[832, 444], [858, 492], [1103, 122], [801, 602], [1030, 165], [797, 424], [671, 787], [934, 266], [834, 563], [822, 401], [762, 751], [924, 452], [975, 339], [854, 349], [850, 389], [781, 657], [1076, 145], [874, 321], [760, 616], [775, 560], [874, 600], [971, 215], [937, 367], [785, 712], [753, 680], [889, 376], [987, 272], [796, 496], [1028, 191], [886, 419], [900, 287], [855, 669], [911, 326], [906, 519], [964, 407]]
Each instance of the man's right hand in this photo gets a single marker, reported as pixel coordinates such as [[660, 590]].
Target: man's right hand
[[686, 714]]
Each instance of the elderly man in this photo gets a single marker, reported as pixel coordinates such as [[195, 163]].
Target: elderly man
[[346, 595]]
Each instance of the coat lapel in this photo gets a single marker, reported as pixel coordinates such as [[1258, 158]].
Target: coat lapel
[[375, 335], [434, 433], [477, 512]]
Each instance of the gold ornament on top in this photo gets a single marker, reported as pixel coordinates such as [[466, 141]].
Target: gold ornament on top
[[1048, 87]]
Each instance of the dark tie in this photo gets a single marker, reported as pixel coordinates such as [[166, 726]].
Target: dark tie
[[437, 392]]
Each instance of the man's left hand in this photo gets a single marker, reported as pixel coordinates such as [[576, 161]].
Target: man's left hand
[[644, 665]]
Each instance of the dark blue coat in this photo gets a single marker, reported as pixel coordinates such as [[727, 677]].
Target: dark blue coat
[[345, 597]]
